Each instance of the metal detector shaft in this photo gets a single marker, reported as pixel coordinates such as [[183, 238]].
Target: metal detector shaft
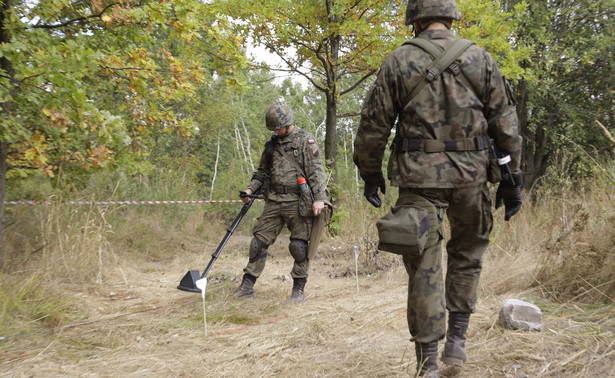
[[188, 283], [229, 232]]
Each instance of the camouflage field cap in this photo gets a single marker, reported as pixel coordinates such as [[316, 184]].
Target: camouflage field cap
[[426, 9], [279, 115]]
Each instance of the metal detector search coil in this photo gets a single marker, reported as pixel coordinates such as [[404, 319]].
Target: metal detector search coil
[[188, 283]]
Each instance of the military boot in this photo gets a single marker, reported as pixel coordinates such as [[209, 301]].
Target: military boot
[[455, 346], [427, 359], [297, 294], [246, 288]]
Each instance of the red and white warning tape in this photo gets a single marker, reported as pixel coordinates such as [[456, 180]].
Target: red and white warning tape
[[117, 202]]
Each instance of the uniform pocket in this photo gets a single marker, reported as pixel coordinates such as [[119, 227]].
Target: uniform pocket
[[404, 230], [305, 204]]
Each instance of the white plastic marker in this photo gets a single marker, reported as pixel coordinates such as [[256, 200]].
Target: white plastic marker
[[356, 265], [202, 284]]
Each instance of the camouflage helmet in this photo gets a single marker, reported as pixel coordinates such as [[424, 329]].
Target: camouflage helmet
[[278, 116], [428, 9]]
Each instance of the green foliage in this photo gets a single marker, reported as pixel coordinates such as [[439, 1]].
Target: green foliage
[[303, 32], [495, 29], [567, 88], [83, 82], [35, 188]]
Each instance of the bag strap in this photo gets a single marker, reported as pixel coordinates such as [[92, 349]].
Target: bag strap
[[293, 162], [443, 59], [433, 49]]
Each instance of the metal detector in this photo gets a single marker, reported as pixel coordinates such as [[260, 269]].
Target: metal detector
[[188, 283]]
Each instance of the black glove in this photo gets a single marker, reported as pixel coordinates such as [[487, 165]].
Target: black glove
[[509, 194], [372, 183]]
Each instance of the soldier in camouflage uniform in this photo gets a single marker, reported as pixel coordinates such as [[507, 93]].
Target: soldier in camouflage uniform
[[279, 175], [439, 162]]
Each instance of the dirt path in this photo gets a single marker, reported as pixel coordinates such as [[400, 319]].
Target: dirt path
[[141, 325]]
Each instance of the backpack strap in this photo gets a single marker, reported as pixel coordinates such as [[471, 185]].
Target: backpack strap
[[291, 160], [443, 59], [431, 48]]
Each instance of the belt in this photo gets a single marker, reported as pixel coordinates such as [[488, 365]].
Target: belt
[[433, 145], [282, 189]]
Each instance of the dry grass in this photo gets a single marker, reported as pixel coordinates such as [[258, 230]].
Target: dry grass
[[123, 315], [144, 326]]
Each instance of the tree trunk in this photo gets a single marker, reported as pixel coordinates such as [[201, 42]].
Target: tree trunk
[[6, 68], [526, 168], [241, 149], [331, 96], [331, 136], [3, 151], [248, 147], [535, 153], [213, 180]]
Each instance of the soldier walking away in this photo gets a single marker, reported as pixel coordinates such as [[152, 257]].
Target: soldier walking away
[[291, 157], [447, 100]]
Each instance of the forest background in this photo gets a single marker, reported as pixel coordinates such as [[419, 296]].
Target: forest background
[[138, 100]]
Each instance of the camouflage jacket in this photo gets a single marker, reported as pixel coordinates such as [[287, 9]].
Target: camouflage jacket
[[300, 145], [444, 110]]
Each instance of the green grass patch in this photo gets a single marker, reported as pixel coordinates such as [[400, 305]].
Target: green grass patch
[[29, 301]]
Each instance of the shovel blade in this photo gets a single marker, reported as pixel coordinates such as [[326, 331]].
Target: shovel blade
[[188, 283]]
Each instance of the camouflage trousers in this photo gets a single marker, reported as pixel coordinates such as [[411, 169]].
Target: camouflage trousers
[[269, 225], [429, 295]]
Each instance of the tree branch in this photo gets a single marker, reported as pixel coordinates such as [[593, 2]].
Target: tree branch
[[365, 77], [74, 21], [296, 70], [9, 167], [355, 54], [349, 114]]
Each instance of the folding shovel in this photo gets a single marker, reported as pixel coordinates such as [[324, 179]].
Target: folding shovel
[[189, 282]]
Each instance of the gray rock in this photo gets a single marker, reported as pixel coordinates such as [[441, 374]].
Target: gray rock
[[518, 314]]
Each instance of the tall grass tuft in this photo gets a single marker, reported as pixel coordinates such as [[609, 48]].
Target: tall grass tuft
[[561, 244], [578, 263], [27, 301], [77, 248], [58, 247], [355, 226]]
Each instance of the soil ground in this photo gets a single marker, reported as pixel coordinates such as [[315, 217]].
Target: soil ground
[[139, 324]]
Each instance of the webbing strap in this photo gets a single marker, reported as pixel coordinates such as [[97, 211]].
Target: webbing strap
[[448, 58], [292, 161], [282, 189], [433, 145], [443, 59], [430, 47]]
